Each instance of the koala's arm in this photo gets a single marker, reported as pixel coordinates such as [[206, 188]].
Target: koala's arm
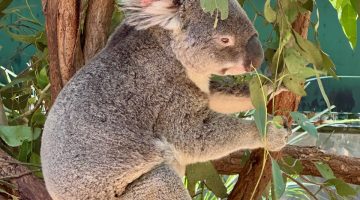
[[220, 135]]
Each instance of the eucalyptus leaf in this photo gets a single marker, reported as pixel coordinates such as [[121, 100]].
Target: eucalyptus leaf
[[291, 165], [270, 14], [278, 181], [304, 122], [310, 52], [278, 121], [328, 64], [258, 98], [348, 22], [223, 6], [14, 136], [205, 172], [42, 78], [325, 170], [16, 81], [24, 151], [208, 5], [220, 5], [296, 64], [295, 84], [342, 188]]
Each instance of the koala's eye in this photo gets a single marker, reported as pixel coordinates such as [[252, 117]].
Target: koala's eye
[[225, 40]]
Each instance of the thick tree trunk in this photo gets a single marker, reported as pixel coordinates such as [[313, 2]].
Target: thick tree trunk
[[63, 27], [250, 185], [97, 26]]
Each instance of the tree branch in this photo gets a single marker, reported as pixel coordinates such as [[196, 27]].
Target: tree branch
[[27, 186], [346, 168]]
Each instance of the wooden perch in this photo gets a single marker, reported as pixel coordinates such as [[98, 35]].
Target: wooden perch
[[346, 168]]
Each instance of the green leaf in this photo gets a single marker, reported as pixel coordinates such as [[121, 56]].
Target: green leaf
[[205, 171], [208, 5], [278, 121], [258, 98], [270, 14], [311, 52], [296, 64], [348, 22], [223, 6], [328, 65], [211, 5], [291, 165], [325, 170], [38, 119], [14, 136], [279, 184], [295, 84], [35, 159], [342, 188], [356, 5], [24, 151], [42, 78], [304, 122], [16, 81]]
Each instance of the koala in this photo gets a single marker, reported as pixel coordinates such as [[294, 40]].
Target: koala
[[127, 124]]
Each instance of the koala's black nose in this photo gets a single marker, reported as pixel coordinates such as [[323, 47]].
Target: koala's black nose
[[254, 53]]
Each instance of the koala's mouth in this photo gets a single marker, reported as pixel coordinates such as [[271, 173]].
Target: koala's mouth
[[234, 70]]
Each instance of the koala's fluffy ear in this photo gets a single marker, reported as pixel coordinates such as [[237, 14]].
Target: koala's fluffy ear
[[147, 13]]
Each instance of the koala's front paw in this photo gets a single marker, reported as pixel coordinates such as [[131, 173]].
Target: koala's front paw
[[276, 138]]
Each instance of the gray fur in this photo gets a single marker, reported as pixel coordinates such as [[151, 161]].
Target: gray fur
[[129, 122]]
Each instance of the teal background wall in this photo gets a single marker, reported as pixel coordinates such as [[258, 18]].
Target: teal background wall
[[344, 93], [13, 54]]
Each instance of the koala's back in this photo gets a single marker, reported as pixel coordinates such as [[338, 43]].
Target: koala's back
[[99, 133]]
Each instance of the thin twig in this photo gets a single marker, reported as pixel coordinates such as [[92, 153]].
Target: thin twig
[[37, 105], [302, 186], [18, 175], [19, 163]]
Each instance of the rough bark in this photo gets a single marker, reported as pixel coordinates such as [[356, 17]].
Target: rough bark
[[247, 186], [97, 26], [63, 28], [68, 37], [27, 186], [344, 167], [50, 9]]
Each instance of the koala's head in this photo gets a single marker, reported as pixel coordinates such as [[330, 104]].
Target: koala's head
[[230, 48]]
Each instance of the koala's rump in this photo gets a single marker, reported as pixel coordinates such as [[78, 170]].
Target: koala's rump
[[92, 142]]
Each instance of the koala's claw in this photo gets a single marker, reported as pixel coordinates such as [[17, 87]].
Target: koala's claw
[[276, 138]]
